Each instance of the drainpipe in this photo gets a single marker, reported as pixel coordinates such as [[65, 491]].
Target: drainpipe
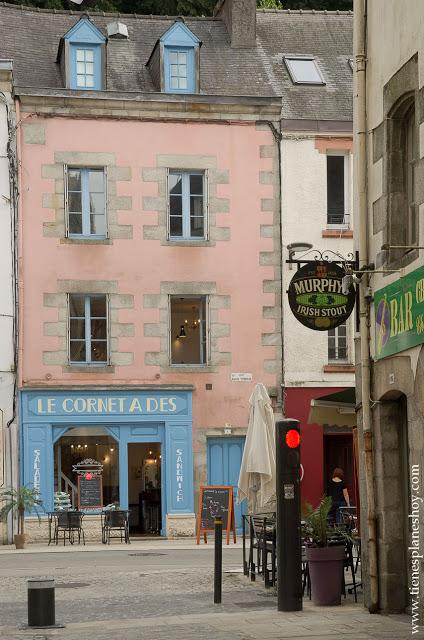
[[360, 33]]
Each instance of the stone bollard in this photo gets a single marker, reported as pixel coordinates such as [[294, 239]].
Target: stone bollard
[[41, 606]]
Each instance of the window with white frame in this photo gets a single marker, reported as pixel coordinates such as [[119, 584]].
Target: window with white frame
[[178, 70], [85, 69], [338, 198], [86, 202], [186, 193], [337, 344], [88, 329], [188, 330]]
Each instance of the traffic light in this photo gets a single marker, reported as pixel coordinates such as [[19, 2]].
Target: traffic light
[[289, 584], [288, 444]]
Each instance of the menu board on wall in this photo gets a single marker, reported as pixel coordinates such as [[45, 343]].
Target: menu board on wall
[[90, 492]]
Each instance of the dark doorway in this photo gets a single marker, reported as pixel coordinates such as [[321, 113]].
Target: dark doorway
[[144, 488], [338, 452]]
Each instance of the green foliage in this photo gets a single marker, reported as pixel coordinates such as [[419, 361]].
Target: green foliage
[[315, 528], [269, 4], [178, 7], [17, 501]]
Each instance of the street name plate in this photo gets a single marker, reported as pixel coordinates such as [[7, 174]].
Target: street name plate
[[241, 377]]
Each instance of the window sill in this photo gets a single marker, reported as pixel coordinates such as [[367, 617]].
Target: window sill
[[72, 368], [337, 233], [188, 243], [339, 368], [85, 241], [188, 368]]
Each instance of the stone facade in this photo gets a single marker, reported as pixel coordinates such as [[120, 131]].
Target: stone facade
[[394, 81]]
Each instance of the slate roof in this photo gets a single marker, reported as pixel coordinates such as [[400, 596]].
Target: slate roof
[[31, 38]]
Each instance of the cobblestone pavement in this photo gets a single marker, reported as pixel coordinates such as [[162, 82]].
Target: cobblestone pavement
[[164, 593]]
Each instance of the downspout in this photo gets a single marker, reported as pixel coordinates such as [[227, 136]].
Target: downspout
[[360, 34]]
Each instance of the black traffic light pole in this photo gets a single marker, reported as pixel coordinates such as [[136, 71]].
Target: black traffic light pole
[[289, 554]]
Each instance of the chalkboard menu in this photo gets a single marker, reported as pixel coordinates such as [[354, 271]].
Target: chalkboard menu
[[90, 491], [215, 502]]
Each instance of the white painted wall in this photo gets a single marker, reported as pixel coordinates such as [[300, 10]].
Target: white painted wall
[[6, 292], [304, 217]]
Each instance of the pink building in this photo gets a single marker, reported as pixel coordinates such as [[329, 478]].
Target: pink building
[[150, 254]]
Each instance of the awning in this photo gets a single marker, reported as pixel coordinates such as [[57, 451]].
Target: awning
[[334, 409]]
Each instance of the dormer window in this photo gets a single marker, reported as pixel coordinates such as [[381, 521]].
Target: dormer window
[[81, 55], [174, 61]]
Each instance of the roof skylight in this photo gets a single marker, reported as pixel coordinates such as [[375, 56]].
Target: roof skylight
[[303, 70]]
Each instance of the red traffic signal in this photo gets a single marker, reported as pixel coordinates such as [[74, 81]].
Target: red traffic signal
[[292, 438]]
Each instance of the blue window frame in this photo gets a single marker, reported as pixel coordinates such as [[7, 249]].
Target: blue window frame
[[179, 70], [88, 329], [187, 219], [85, 67], [86, 202]]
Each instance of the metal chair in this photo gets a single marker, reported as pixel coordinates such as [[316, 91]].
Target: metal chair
[[116, 520], [263, 539], [70, 524]]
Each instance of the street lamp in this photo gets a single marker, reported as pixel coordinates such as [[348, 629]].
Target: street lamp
[[297, 247]]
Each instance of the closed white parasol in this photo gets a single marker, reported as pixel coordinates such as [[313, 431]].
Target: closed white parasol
[[257, 472]]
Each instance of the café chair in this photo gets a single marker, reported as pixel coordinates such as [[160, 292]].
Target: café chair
[[115, 520], [69, 523]]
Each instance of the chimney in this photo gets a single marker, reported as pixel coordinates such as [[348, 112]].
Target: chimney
[[239, 17]]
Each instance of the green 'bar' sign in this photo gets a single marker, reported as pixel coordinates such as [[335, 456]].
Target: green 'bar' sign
[[399, 315]]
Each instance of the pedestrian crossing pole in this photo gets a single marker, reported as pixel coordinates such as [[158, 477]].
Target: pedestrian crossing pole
[[289, 554]]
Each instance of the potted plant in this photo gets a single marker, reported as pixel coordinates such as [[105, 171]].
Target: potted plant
[[325, 553], [17, 501]]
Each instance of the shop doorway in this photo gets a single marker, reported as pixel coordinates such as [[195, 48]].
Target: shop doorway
[[145, 488]]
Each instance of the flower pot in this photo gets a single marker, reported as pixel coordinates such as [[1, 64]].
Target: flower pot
[[326, 573], [20, 540]]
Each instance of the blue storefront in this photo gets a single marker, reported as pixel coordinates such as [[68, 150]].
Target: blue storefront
[[133, 433]]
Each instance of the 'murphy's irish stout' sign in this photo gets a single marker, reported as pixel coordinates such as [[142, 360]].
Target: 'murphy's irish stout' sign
[[316, 297]]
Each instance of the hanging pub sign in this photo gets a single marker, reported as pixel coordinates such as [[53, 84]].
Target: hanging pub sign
[[316, 296]]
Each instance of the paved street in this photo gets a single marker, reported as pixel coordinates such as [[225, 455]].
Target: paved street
[[164, 590]]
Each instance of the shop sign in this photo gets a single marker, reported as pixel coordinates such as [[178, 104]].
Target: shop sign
[[399, 315], [179, 475], [36, 481], [316, 296], [88, 404]]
